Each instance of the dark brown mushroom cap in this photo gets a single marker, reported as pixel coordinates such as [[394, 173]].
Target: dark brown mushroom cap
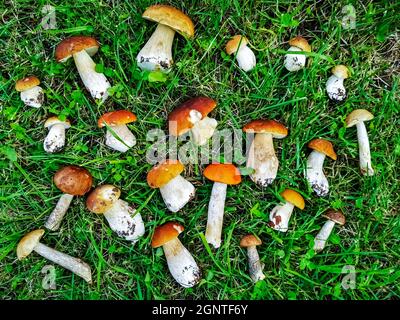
[[72, 45], [73, 180], [165, 233], [250, 241], [336, 216]]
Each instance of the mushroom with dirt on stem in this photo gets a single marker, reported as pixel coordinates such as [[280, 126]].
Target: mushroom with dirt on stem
[[244, 55], [31, 93], [297, 61], [255, 266], [334, 86], [334, 217], [55, 139]]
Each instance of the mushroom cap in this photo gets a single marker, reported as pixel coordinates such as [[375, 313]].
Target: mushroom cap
[[335, 216], [27, 83], [223, 173], [294, 198], [323, 146], [341, 71], [164, 172], [171, 17], [233, 45], [250, 241], [180, 119], [55, 120], [102, 198], [115, 118], [301, 43], [166, 232], [28, 243], [273, 127], [73, 180], [358, 115], [72, 45]]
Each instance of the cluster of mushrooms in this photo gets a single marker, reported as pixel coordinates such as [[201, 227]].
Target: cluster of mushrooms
[[191, 117]]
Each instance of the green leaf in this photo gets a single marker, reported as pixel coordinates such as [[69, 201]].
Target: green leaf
[[157, 76], [9, 152]]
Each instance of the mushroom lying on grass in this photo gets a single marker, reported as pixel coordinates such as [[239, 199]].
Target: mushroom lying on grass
[[55, 139], [31, 93], [296, 62], [244, 55], [255, 266], [333, 216], [334, 86]]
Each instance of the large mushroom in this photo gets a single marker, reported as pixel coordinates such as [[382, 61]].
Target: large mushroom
[[30, 91], [122, 218], [175, 190], [255, 266], [261, 156], [333, 216], [280, 214], [357, 118], [192, 116], [297, 61], [222, 175], [55, 139], [157, 52], [315, 161], [72, 181], [334, 86], [180, 262], [118, 135], [82, 48], [31, 242], [244, 55]]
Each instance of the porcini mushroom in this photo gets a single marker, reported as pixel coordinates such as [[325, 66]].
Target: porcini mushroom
[[295, 62], [315, 161], [357, 118], [280, 214], [72, 181], [192, 116], [30, 91], [157, 52], [222, 175], [55, 139], [181, 264], [31, 242], [334, 86], [122, 218], [333, 216], [255, 266], [261, 156], [244, 55], [118, 135], [175, 190], [82, 48]]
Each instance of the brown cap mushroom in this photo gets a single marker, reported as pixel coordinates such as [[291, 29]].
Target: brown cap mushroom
[[293, 197], [164, 172], [102, 198], [323, 146], [27, 83], [301, 43], [333, 216], [72, 45], [73, 180], [255, 267], [165, 233], [115, 118], [249, 241], [223, 173]]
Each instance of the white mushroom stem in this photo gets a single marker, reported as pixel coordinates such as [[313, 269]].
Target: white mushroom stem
[[177, 193], [215, 218], [335, 88], [55, 139], [96, 83], [255, 266], [246, 58], [295, 62], [364, 150], [181, 263], [262, 159], [57, 215], [33, 97], [72, 264], [157, 52], [125, 140], [203, 130], [323, 235], [315, 175], [124, 221], [280, 216]]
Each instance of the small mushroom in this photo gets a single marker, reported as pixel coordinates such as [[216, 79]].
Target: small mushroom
[[295, 62], [181, 264], [244, 55], [55, 139], [122, 218], [280, 214], [334, 86], [222, 175], [175, 190], [72, 181], [82, 48], [192, 116], [31, 93], [31, 242], [261, 156], [315, 161], [157, 52], [255, 266], [357, 118], [333, 216], [118, 135]]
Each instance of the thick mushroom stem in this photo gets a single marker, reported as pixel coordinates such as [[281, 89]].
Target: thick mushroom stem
[[255, 266], [96, 83], [315, 175], [280, 216], [295, 62], [215, 218], [364, 150], [124, 140], [335, 88], [203, 130], [246, 58], [323, 235], [181, 264], [177, 193], [54, 220], [55, 139], [262, 159], [33, 97], [75, 265], [157, 52]]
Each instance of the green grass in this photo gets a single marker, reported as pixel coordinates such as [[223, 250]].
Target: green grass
[[370, 239]]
